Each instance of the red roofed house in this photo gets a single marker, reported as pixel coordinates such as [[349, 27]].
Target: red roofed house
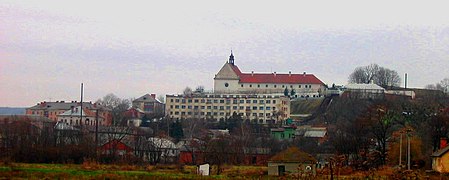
[[231, 80]]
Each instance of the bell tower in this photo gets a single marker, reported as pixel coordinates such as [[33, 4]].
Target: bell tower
[[231, 58]]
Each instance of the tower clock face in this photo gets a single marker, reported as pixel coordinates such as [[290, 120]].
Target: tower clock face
[[226, 84]]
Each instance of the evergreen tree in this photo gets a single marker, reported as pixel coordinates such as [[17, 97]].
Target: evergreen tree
[[292, 92], [286, 91], [176, 130]]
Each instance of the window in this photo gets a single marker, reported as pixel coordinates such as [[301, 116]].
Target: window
[[228, 107], [221, 107], [258, 85], [171, 106], [250, 85], [177, 100], [261, 101], [228, 101], [268, 101], [203, 101], [291, 86], [255, 101], [254, 107], [189, 107], [189, 101], [275, 86], [261, 108], [268, 108], [299, 86], [171, 100], [235, 101], [203, 107], [274, 101], [195, 107], [226, 84], [215, 100], [183, 107], [241, 85], [234, 107], [183, 101], [221, 101], [242, 107], [242, 101], [209, 107], [215, 107], [283, 86], [196, 101], [248, 101], [254, 114], [266, 85]]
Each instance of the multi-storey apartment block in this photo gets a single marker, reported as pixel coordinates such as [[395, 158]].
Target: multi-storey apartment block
[[260, 108]]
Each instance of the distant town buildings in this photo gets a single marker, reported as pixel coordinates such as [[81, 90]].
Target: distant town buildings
[[52, 110], [149, 105], [77, 117]]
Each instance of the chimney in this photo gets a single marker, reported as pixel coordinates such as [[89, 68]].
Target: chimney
[[274, 74], [405, 81], [443, 143], [153, 96], [304, 73], [289, 73], [252, 73]]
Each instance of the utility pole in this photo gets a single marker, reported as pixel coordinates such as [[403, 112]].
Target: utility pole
[[408, 149], [96, 133], [400, 150], [81, 110]]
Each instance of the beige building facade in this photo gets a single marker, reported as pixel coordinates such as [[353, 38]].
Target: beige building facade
[[260, 108], [230, 79]]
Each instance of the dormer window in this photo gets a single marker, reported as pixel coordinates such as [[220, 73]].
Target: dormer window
[[226, 84]]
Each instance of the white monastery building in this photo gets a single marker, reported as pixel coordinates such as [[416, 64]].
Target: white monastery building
[[230, 80]]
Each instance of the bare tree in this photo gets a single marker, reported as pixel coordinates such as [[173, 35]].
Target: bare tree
[[161, 98], [443, 85], [381, 76], [188, 91], [117, 105]]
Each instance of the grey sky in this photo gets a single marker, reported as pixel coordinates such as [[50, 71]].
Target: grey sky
[[47, 48]]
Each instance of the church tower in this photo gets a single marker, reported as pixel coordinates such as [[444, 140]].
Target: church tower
[[231, 58]]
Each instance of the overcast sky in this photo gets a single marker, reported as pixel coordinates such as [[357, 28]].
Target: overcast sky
[[130, 48]]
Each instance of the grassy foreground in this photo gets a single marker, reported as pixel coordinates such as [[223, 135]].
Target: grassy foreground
[[97, 171], [91, 170]]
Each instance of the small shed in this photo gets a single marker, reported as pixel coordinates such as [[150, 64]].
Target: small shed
[[291, 160], [440, 160]]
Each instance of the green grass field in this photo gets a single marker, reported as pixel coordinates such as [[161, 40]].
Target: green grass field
[[96, 171]]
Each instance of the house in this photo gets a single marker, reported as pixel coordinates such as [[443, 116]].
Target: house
[[440, 158], [307, 131], [85, 117], [286, 132], [51, 110], [116, 148], [291, 160], [162, 150], [230, 79], [149, 104]]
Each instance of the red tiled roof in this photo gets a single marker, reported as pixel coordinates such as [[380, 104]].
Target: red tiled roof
[[276, 79]]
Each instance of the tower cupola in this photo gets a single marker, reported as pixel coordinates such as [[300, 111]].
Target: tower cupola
[[231, 58]]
